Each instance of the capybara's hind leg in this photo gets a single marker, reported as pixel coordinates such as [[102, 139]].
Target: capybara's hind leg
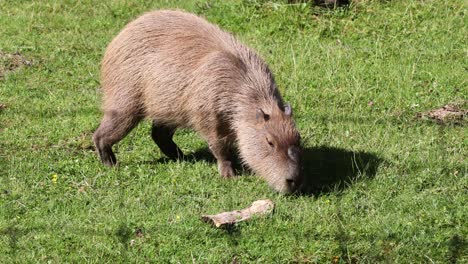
[[162, 136], [114, 126]]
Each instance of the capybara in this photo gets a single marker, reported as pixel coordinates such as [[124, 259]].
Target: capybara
[[180, 71]]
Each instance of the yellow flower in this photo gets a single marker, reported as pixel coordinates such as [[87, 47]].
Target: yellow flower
[[54, 178]]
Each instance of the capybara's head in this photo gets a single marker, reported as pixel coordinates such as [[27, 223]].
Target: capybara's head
[[270, 145]]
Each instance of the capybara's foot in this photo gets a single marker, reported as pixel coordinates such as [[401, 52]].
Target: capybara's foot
[[225, 169], [172, 151], [114, 126], [105, 151], [162, 136], [108, 159]]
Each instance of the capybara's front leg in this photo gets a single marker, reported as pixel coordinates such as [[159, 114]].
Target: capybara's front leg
[[221, 149]]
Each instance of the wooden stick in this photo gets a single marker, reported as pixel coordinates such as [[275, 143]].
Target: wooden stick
[[260, 207]]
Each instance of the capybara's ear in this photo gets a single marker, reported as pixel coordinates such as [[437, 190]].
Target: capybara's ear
[[288, 110], [261, 116]]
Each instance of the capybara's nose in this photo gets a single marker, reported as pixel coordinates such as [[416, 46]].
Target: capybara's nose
[[292, 183]]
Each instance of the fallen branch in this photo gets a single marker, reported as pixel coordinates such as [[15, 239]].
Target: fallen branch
[[260, 207]]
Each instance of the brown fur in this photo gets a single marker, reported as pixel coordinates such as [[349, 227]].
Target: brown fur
[[178, 70]]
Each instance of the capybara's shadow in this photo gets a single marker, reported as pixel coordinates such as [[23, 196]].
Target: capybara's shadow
[[201, 154], [204, 154], [324, 169], [327, 169]]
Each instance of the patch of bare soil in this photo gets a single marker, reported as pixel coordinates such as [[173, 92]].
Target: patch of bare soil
[[2, 106], [11, 62], [453, 113]]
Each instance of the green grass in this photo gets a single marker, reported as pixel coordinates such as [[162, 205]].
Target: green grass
[[385, 186]]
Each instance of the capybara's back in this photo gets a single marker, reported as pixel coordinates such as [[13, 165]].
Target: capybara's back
[[178, 70]]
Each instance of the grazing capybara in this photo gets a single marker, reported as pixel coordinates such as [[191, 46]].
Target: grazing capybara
[[180, 71]]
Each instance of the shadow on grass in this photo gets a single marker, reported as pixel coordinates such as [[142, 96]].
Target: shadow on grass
[[204, 154], [12, 233], [323, 3], [327, 169], [457, 244]]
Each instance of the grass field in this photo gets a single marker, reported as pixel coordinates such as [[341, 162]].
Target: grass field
[[384, 186]]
